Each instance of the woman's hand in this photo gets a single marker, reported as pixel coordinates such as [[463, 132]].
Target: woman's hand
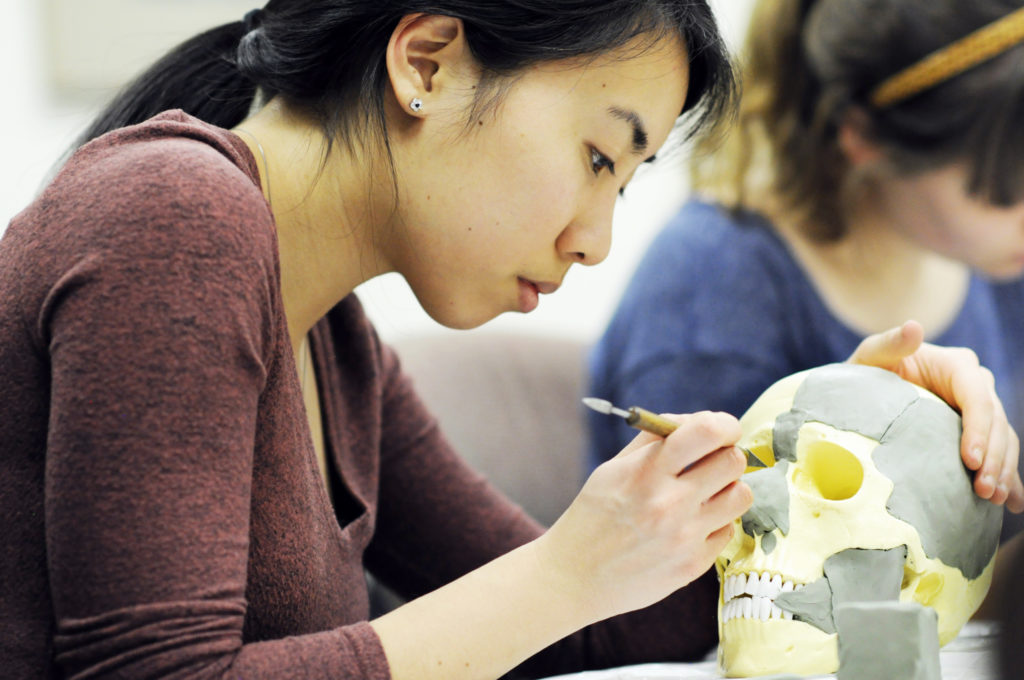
[[989, 445], [653, 518]]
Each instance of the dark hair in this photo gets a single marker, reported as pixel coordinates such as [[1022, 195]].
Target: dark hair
[[808, 62], [326, 57]]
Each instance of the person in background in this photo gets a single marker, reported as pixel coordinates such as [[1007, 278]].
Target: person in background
[[873, 175], [205, 443]]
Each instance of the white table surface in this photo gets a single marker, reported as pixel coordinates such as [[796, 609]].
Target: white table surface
[[971, 656]]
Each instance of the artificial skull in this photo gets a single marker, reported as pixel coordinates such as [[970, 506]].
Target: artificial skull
[[865, 497]]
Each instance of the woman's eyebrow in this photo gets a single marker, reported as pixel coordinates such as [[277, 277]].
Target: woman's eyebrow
[[635, 122]]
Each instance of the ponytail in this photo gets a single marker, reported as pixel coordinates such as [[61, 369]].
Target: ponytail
[[199, 76], [781, 146]]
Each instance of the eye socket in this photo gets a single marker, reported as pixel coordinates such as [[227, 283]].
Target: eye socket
[[829, 470], [598, 162]]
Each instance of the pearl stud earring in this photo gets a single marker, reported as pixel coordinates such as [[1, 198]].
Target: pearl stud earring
[[416, 104]]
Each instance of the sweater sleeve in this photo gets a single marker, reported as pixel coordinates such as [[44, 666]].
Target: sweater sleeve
[[437, 518], [158, 330]]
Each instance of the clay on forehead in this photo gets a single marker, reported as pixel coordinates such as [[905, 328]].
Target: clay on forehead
[[858, 398], [861, 399], [853, 575], [933, 491], [919, 451]]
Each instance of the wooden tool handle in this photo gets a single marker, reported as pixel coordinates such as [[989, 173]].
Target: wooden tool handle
[[648, 421]]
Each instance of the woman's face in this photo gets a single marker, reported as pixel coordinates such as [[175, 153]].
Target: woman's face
[[492, 217], [935, 209]]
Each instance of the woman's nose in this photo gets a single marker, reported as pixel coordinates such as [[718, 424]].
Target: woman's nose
[[588, 238]]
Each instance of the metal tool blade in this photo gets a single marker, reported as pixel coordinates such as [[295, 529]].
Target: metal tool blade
[[604, 406]]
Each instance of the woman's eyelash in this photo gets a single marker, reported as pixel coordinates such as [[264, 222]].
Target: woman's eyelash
[[599, 161]]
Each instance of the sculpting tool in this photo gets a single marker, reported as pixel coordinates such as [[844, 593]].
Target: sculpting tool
[[649, 421]]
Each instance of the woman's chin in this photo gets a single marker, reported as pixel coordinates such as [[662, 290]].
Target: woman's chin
[[461, 320]]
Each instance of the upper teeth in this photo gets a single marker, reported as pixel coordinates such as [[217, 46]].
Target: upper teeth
[[751, 596]]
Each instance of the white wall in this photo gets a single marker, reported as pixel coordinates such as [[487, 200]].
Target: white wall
[[37, 124]]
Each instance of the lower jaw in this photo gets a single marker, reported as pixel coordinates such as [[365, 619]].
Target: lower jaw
[[750, 647]]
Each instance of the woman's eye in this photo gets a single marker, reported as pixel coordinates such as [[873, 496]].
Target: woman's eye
[[598, 162]]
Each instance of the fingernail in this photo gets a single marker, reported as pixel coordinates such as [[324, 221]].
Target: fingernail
[[988, 480], [975, 455], [1003, 490]]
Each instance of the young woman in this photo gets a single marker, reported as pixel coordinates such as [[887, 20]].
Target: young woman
[[864, 183], [204, 443]]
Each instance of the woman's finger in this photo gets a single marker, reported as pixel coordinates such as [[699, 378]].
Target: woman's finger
[[713, 473], [719, 538], [1015, 498], [988, 477], [641, 440], [728, 504], [698, 435], [1009, 476], [887, 349], [983, 443]]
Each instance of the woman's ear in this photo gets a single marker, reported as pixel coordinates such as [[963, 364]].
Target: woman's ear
[[854, 139], [426, 54]]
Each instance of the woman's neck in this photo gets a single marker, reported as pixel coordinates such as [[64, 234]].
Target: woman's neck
[[322, 210], [875, 277]]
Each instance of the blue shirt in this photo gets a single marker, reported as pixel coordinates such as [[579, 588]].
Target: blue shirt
[[718, 310]]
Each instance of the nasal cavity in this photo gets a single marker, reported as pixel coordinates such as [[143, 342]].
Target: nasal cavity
[[829, 470]]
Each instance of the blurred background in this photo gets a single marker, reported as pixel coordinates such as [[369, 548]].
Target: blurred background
[[63, 58]]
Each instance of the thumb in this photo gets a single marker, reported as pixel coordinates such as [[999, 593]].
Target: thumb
[[888, 348]]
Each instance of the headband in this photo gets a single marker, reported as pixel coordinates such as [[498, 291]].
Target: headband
[[967, 52]]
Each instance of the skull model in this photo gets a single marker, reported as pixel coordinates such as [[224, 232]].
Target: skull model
[[864, 497]]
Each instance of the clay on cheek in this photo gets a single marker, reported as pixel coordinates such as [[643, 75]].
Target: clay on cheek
[[771, 508], [850, 576]]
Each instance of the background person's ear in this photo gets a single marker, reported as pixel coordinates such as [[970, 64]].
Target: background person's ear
[[426, 54], [854, 139]]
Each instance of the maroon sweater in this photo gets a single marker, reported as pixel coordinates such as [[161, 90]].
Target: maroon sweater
[[161, 507]]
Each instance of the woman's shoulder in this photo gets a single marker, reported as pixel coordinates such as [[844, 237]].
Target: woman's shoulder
[[191, 137], [707, 245], [170, 182], [171, 153], [704, 232]]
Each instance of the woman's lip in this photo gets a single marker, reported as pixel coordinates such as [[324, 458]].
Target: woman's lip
[[530, 292], [545, 287], [529, 296]]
